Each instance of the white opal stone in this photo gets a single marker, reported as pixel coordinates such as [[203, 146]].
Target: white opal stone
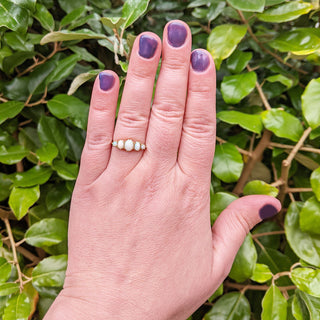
[[137, 146], [128, 145], [120, 144], [143, 147], [114, 143]]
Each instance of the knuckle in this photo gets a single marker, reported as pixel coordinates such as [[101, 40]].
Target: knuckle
[[169, 110], [201, 127], [132, 118]]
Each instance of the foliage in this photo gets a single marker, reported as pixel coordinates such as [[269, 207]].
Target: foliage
[[267, 53]]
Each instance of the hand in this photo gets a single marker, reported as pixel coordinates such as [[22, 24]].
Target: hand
[[140, 241]]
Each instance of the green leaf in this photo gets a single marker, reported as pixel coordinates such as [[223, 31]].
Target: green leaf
[[282, 124], [21, 199], [5, 270], [238, 61], [234, 88], [218, 202], [113, 22], [248, 5], [223, 40], [285, 12], [132, 10], [305, 306], [34, 176], [8, 288], [13, 17], [282, 79], [47, 153], [81, 79], [245, 260], [17, 308], [47, 232], [13, 154], [309, 103], [50, 272], [44, 17], [27, 4], [227, 163], [57, 197], [86, 56], [67, 171], [307, 280], [53, 131], [66, 35], [250, 122], [310, 216], [260, 187], [315, 182], [63, 106], [231, 306], [18, 41], [298, 41], [17, 58], [69, 6], [273, 2], [261, 273], [5, 184], [274, 305], [217, 293], [72, 16], [305, 246], [10, 109]]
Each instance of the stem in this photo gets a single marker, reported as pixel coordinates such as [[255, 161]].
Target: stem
[[14, 252], [294, 190], [255, 287], [255, 157], [288, 146], [270, 233], [245, 152]]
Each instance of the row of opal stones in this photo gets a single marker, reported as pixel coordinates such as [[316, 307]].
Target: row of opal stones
[[129, 145]]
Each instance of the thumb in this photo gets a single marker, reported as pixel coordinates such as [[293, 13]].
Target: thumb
[[234, 223]]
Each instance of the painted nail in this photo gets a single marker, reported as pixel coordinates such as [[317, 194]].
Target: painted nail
[[267, 211], [177, 34], [147, 46], [199, 60], [106, 81]]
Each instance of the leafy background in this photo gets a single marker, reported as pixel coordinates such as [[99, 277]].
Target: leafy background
[[267, 54]]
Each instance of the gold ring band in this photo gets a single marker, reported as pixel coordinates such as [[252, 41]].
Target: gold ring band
[[128, 145]]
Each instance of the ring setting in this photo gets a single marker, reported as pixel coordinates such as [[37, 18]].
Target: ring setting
[[128, 145]]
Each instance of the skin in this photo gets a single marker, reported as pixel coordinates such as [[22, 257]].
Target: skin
[[140, 241]]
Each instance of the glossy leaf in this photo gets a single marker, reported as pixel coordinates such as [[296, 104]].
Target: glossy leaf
[[307, 280], [63, 106], [44, 17], [27, 4], [238, 61], [132, 10], [13, 154], [223, 40], [245, 260], [10, 109], [274, 305], [305, 306], [310, 216], [18, 41], [5, 270], [68, 6], [309, 103], [282, 124], [47, 153], [261, 273], [67, 171], [248, 5], [72, 16], [250, 122], [50, 272], [57, 197], [47, 232], [21, 199], [218, 202], [305, 246], [113, 22], [81, 79], [285, 12], [84, 54], [315, 183], [231, 306], [5, 184], [34, 176], [227, 163], [8, 288], [234, 88], [260, 187], [17, 308], [282, 79], [11, 62]]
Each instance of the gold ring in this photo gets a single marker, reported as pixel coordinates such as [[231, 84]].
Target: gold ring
[[128, 145]]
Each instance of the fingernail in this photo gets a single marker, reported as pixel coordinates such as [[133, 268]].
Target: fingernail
[[147, 46], [177, 34], [267, 211], [106, 81], [199, 60]]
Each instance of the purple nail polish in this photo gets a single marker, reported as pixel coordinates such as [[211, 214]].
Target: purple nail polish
[[267, 211], [177, 34], [199, 60], [147, 46], [106, 81]]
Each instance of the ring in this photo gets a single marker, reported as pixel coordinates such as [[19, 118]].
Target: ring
[[128, 145]]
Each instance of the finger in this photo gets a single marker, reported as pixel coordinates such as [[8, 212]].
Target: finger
[[198, 132], [96, 151], [133, 116], [167, 113], [234, 223]]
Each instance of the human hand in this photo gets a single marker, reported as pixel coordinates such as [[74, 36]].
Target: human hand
[[140, 241]]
